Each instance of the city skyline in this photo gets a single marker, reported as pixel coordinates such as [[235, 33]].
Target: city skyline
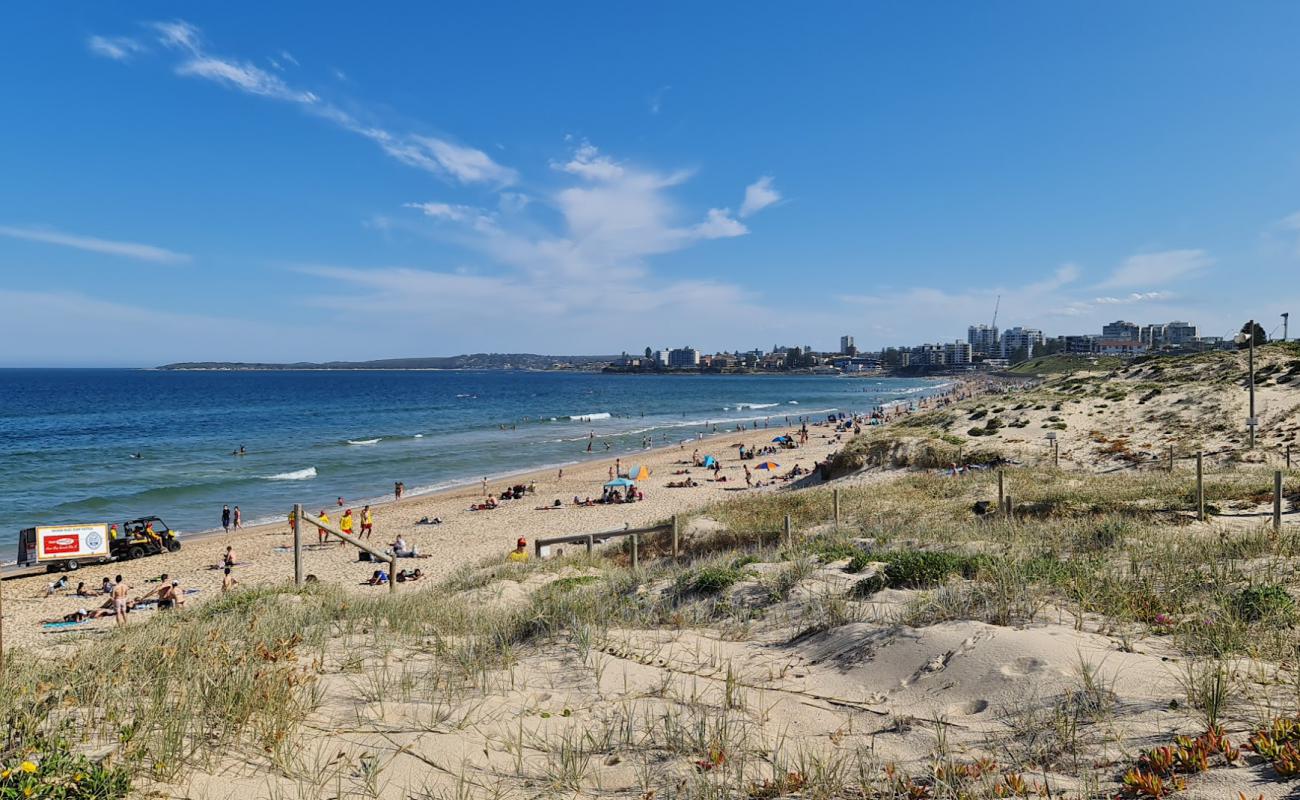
[[303, 183]]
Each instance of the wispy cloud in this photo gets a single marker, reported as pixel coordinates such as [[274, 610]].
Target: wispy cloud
[[546, 265], [1132, 297], [759, 195], [436, 155], [657, 99], [1153, 269], [118, 48], [141, 252]]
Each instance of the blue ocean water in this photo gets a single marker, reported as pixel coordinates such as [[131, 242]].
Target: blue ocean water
[[68, 437]]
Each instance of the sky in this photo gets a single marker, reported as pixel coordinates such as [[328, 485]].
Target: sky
[[311, 181]]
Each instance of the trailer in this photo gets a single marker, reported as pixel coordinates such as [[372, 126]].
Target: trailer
[[63, 547]]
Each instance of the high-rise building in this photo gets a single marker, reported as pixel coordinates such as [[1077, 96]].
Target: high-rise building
[[683, 358], [846, 346], [1180, 333], [1120, 329], [957, 352], [983, 339], [1015, 339]]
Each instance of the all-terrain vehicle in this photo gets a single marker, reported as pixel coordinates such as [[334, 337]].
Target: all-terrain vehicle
[[146, 536]]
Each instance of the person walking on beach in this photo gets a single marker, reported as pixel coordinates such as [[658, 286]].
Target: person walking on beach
[[484, 485], [225, 518], [367, 523], [238, 519], [345, 525], [320, 532], [120, 593]]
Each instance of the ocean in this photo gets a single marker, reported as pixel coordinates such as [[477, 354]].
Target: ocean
[[69, 437]]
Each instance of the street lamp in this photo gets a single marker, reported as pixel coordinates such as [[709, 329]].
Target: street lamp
[[1249, 336]]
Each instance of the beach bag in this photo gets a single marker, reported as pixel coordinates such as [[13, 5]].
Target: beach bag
[[363, 555]]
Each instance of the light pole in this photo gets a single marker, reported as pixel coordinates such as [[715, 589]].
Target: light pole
[[1285, 316], [1249, 335]]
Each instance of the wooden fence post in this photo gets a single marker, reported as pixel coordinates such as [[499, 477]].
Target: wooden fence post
[[591, 543], [789, 536], [1171, 458], [676, 538], [1200, 485], [1288, 456], [1277, 501], [1010, 509], [636, 550], [297, 544], [1001, 496], [835, 498]]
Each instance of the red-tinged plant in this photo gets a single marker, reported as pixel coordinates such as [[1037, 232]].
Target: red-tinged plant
[[1159, 761], [1141, 783], [1287, 762]]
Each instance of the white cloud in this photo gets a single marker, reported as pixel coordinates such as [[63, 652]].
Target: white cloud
[[720, 225], [141, 252], [587, 162], [758, 196], [118, 48], [439, 156], [1146, 269], [285, 55], [1132, 297], [657, 99]]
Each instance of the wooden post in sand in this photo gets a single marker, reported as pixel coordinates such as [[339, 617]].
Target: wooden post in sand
[[1010, 512], [1200, 485], [636, 548], [789, 535], [591, 543], [1001, 496], [1277, 501], [677, 538], [835, 499], [297, 544], [1171, 458]]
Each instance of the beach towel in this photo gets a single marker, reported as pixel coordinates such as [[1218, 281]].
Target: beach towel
[[62, 625]]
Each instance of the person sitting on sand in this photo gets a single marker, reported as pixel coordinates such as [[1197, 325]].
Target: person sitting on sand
[[82, 591], [107, 586], [427, 521], [170, 596], [61, 583], [228, 560], [228, 581], [402, 550], [378, 578], [520, 553]]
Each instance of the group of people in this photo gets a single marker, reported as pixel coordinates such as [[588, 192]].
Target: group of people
[[167, 595], [231, 519], [347, 524]]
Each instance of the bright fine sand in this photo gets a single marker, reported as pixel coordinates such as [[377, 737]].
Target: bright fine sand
[[464, 537]]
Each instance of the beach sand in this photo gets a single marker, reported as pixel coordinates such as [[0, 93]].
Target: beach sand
[[264, 552]]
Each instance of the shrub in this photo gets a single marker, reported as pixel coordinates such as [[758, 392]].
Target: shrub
[[868, 586], [859, 562], [918, 570], [49, 770], [709, 580], [1260, 602]]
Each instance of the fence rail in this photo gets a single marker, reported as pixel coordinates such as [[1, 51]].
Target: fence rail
[[299, 517]]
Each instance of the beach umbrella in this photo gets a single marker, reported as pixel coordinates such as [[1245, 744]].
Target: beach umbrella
[[619, 483], [709, 461], [639, 473], [781, 439], [768, 465]]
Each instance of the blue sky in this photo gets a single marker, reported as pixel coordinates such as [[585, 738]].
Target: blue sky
[[285, 181]]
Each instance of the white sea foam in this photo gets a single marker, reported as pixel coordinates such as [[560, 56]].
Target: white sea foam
[[588, 417], [793, 403], [296, 475], [363, 441], [752, 406], [419, 436]]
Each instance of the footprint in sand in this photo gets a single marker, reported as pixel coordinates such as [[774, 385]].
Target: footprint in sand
[[1023, 667], [968, 709]]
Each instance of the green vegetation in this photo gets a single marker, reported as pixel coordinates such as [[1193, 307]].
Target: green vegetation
[[1062, 363]]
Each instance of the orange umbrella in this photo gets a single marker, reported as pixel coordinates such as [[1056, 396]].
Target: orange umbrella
[[768, 465]]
